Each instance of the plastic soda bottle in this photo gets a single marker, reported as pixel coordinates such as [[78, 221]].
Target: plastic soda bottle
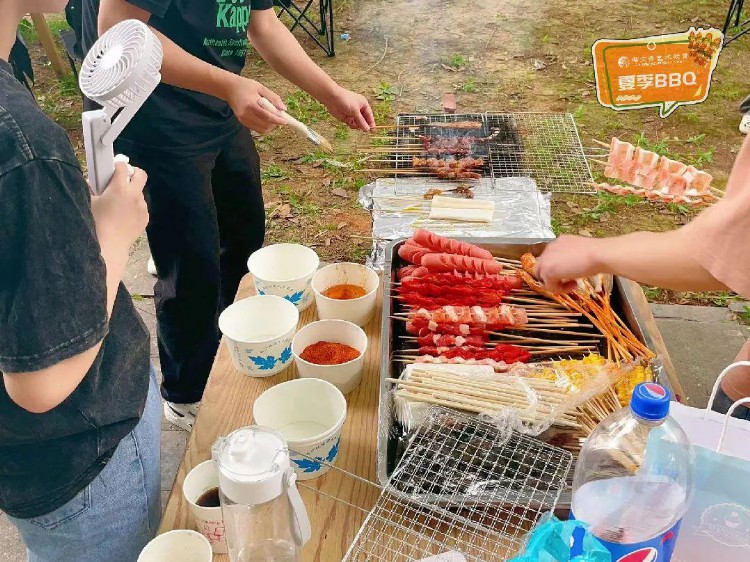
[[634, 479]]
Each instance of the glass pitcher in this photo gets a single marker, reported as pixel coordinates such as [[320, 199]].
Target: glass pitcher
[[264, 516]]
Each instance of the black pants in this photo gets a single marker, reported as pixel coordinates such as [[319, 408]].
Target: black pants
[[722, 403], [206, 218]]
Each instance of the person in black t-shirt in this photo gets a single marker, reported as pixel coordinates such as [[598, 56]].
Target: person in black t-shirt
[[79, 404], [204, 191]]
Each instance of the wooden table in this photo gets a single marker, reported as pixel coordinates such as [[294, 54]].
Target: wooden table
[[227, 405]]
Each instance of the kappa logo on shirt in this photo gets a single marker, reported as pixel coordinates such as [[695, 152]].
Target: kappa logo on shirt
[[232, 14]]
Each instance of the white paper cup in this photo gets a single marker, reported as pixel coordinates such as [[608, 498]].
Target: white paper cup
[[310, 414], [345, 376], [358, 311], [285, 270], [209, 520], [180, 545], [259, 332]]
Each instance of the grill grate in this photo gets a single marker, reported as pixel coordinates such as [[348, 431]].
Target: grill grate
[[493, 488], [543, 146]]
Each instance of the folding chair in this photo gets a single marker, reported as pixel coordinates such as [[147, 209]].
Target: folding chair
[[739, 28], [321, 31]]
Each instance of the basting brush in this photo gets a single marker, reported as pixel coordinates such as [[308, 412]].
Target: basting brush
[[316, 138]]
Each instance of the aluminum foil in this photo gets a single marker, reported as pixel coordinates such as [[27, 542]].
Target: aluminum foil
[[398, 207]]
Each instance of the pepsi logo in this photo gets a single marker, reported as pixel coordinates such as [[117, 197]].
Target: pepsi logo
[[654, 390], [648, 554]]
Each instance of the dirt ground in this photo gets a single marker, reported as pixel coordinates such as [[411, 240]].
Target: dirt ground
[[502, 55]]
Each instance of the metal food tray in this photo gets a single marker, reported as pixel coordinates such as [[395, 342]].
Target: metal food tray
[[390, 439]]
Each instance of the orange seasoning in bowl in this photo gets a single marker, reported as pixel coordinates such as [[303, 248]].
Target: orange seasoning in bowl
[[329, 353], [344, 292]]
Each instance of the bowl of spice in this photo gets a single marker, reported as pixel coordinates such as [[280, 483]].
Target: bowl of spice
[[346, 291], [285, 270], [331, 350]]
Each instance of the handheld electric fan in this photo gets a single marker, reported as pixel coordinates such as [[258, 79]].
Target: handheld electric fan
[[119, 73]]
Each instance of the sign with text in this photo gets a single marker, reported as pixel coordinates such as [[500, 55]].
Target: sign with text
[[664, 71]]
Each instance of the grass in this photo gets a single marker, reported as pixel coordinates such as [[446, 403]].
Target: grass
[[273, 173], [61, 101], [456, 61], [744, 316], [470, 86], [297, 201], [305, 108], [342, 132], [385, 92]]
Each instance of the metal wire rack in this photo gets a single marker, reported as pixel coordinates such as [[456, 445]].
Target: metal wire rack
[[543, 146], [493, 489]]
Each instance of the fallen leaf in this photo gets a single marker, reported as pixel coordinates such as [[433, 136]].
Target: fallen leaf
[[294, 220], [327, 182], [604, 217], [285, 211], [564, 66], [585, 232], [341, 225], [327, 241], [338, 192], [572, 204], [446, 67], [539, 65]]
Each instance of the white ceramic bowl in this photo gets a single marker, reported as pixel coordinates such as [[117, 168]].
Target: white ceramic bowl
[[285, 270], [180, 545], [358, 310], [209, 520], [345, 376], [310, 414], [259, 331]]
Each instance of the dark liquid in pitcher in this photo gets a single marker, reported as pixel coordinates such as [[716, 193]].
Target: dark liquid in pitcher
[[209, 498]]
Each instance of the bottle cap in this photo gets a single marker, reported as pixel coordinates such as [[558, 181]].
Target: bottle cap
[[252, 462], [650, 401]]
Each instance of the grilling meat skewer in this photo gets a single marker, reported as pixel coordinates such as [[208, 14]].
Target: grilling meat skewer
[[503, 315]]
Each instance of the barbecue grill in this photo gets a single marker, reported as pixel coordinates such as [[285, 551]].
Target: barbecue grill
[[543, 146]]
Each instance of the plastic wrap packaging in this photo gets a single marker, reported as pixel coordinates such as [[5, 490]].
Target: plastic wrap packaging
[[529, 398], [551, 539], [398, 207]]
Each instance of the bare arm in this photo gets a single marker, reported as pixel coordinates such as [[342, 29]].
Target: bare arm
[[661, 259], [181, 69], [281, 50], [40, 391]]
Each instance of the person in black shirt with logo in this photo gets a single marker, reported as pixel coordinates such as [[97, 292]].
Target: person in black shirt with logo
[[204, 191], [79, 405]]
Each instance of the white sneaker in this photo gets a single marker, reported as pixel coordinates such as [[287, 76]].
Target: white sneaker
[[745, 124], [181, 415], [151, 267]]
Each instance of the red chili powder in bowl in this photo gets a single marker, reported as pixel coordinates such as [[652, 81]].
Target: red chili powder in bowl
[[329, 353], [344, 292]]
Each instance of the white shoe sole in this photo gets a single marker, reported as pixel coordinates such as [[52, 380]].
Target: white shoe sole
[[151, 267], [183, 421], [745, 124]]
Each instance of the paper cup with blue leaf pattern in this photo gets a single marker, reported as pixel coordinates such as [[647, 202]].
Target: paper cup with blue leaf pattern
[[310, 414], [285, 270], [258, 331]]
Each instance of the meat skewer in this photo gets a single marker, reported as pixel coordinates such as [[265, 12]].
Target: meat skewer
[[503, 315]]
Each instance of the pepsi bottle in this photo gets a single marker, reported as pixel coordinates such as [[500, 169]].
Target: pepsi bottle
[[634, 479]]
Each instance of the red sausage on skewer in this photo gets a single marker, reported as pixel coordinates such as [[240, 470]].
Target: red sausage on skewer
[[449, 262], [441, 244]]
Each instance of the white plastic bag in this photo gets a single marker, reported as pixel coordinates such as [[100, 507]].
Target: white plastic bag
[[717, 524]]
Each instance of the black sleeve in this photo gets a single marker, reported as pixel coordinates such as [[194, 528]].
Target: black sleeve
[[261, 4], [155, 7], [52, 276]]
